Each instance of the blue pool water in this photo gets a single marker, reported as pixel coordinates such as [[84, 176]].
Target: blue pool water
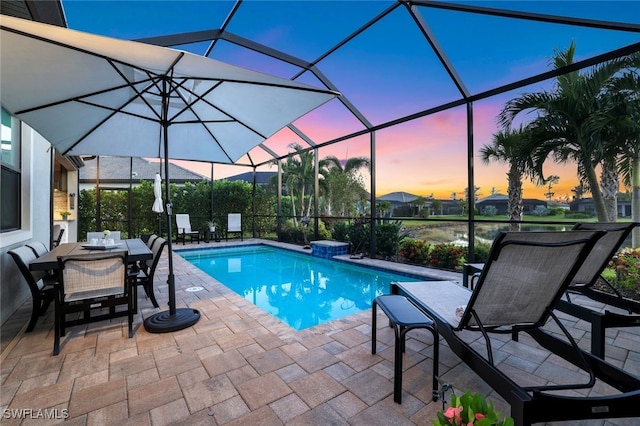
[[301, 290]]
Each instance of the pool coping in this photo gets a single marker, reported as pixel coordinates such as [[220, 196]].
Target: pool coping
[[411, 271]]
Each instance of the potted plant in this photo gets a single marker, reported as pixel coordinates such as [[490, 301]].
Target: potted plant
[[212, 226], [65, 214]]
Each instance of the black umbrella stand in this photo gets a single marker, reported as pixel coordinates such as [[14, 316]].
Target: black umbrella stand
[[174, 319]]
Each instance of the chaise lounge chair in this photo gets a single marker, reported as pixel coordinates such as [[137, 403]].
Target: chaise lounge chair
[[622, 311], [527, 273]]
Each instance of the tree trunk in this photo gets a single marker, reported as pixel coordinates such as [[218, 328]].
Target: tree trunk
[[610, 187], [596, 194], [635, 200], [293, 208], [514, 208]]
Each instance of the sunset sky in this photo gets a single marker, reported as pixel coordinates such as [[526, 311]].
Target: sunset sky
[[387, 72]]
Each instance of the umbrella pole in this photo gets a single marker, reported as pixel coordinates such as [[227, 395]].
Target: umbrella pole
[[174, 319]]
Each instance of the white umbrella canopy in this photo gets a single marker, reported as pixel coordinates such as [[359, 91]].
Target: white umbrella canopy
[[95, 95]]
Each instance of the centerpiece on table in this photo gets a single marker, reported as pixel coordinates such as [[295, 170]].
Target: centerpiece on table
[[105, 235]]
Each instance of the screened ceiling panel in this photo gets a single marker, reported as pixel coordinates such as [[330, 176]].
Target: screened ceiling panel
[[243, 57], [140, 19], [305, 29], [395, 78], [512, 49]]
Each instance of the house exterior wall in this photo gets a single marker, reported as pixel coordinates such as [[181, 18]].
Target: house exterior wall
[[36, 219]]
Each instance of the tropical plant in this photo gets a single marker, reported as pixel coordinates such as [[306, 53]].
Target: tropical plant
[[343, 185], [383, 207], [470, 409], [620, 111], [299, 177], [447, 256], [511, 146], [568, 119], [415, 251]]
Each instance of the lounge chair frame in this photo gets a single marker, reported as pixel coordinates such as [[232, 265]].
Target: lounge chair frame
[[600, 321], [533, 404]]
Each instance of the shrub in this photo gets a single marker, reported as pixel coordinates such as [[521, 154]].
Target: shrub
[[627, 268], [415, 251], [389, 236], [540, 211], [447, 256], [481, 252], [490, 211], [340, 231], [577, 215], [291, 233]]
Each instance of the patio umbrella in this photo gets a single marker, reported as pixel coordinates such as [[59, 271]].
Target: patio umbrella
[[94, 95], [157, 192]]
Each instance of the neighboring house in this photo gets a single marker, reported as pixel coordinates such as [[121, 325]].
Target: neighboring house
[[114, 172], [400, 203], [586, 205], [501, 201], [262, 178], [31, 172]]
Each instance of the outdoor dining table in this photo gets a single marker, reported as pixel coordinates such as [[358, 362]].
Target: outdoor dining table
[[137, 251]]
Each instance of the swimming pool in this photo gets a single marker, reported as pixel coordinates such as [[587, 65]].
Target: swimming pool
[[299, 289]]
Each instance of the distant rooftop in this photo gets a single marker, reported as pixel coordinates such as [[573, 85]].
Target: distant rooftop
[[119, 169]]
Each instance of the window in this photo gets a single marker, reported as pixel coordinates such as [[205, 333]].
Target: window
[[11, 178]]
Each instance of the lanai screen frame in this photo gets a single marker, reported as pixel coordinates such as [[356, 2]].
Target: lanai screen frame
[[466, 99]]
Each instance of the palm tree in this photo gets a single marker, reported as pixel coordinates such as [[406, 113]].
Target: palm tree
[[511, 146], [343, 183], [299, 176], [621, 113], [567, 120]]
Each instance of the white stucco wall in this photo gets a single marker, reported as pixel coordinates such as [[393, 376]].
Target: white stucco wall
[[36, 219]]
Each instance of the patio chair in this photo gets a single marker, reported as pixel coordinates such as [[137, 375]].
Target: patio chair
[[144, 276], [42, 292], [152, 238], [526, 274], [89, 283], [184, 230], [621, 311], [234, 225], [59, 231], [40, 249]]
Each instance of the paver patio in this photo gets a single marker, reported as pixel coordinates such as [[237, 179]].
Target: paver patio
[[239, 365]]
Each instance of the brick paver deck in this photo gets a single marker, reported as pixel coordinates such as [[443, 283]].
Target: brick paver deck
[[241, 366]]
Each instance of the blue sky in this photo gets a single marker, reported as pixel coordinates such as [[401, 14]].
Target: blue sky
[[388, 71]]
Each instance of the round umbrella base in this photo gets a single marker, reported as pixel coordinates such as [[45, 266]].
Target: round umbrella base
[[165, 322]]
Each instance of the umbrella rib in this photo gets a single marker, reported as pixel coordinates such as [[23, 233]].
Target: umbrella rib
[[188, 105], [115, 111], [206, 101], [79, 98]]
